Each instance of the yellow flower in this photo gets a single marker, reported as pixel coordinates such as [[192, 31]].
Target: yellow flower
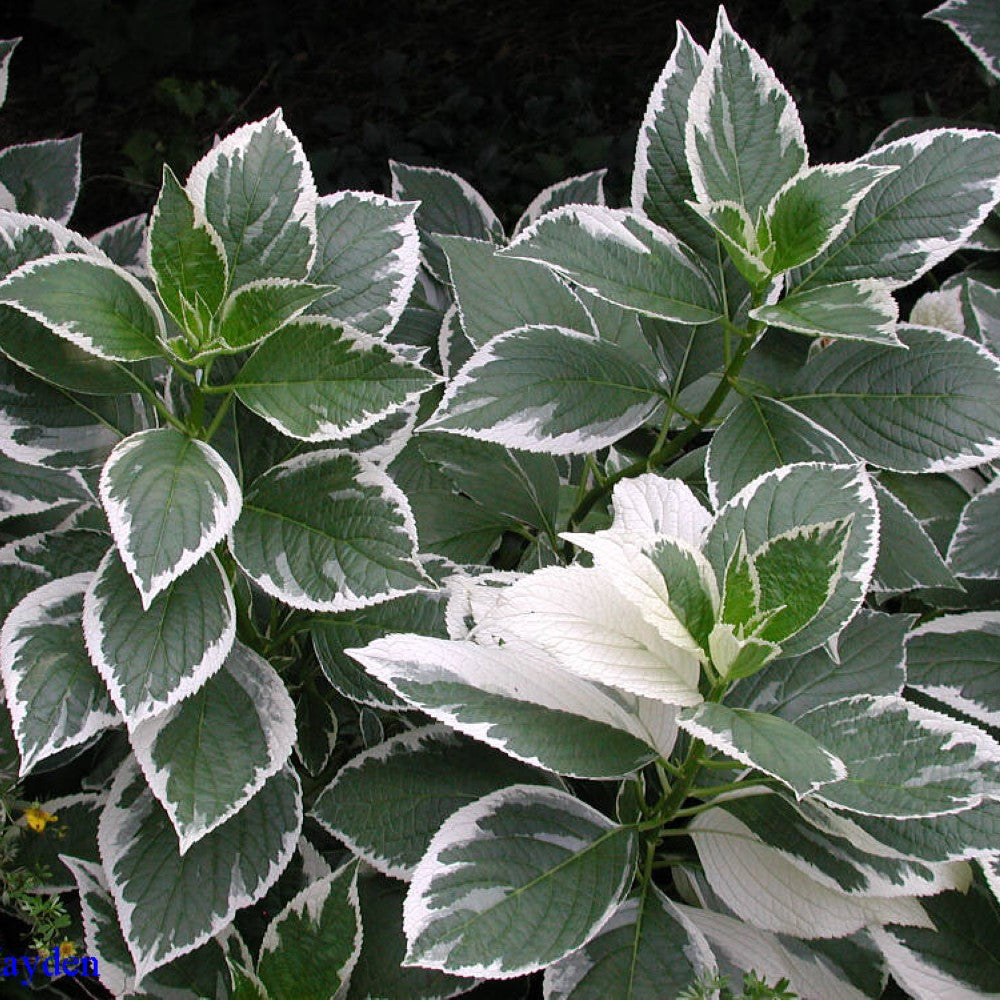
[[37, 818], [67, 949]]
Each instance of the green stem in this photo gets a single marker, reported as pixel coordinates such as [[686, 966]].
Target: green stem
[[220, 415], [148, 394]]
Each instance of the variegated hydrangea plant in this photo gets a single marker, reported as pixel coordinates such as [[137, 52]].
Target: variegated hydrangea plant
[[614, 603]]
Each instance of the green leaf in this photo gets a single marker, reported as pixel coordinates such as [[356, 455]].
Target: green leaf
[[186, 257], [907, 557], [548, 389], [903, 761], [799, 571], [851, 310], [518, 484], [314, 942], [125, 243], [169, 499], [956, 957], [256, 190], [814, 207], [259, 308], [205, 757], [225, 871], [743, 136], [449, 206], [316, 727], [328, 531], [151, 658], [869, 658], [647, 948], [974, 552], [367, 247], [976, 23], [43, 177], [317, 381], [767, 743], [955, 660], [496, 294], [732, 224], [380, 971], [945, 186], [661, 178], [692, 593], [932, 408], [935, 500], [189, 977], [787, 500], [96, 306], [583, 189], [500, 865], [759, 435], [7, 47], [42, 425], [387, 803], [55, 696], [421, 612], [623, 257], [520, 702]]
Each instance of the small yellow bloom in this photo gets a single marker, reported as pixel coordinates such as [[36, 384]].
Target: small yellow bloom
[[67, 949], [37, 818]]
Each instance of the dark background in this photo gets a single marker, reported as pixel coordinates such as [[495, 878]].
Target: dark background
[[511, 95]]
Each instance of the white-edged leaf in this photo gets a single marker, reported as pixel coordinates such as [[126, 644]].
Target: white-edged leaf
[[150, 658], [169, 499], [314, 942], [581, 618], [761, 434], [788, 499], [448, 205], [318, 381], [125, 243], [521, 702], [388, 802], [851, 310], [548, 389], [647, 948], [775, 957], [54, 694], [955, 659], [743, 135], [7, 47], [957, 958], [328, 531], [498, 867], [974, 552], [907, 556], [932, 408], [946, 184], [767, 743], [43, 178], [30, 489], [661, 178], [621, 256], [583, 189], [42, 425], [169, 904], [208, 755], [495, 294], [770, 892], [256, 190], [977, 25], [368, 247], [903, 761], [95, 305], [870, 657], [187, 260], [814, 207]]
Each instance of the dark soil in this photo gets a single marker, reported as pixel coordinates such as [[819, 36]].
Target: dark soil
[[512, 95]]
